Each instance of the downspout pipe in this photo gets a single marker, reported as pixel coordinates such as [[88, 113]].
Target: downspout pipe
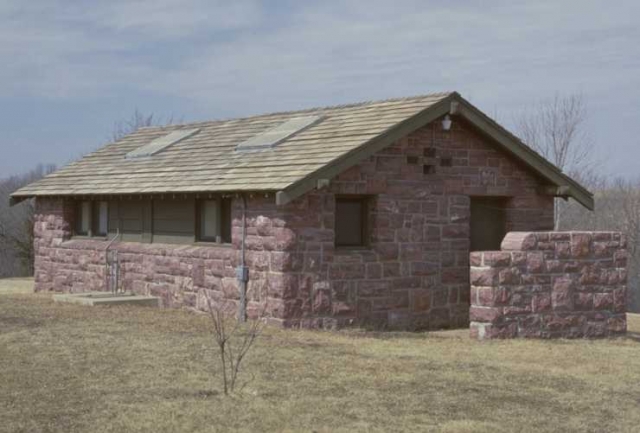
[[106, 261], [242, 272]]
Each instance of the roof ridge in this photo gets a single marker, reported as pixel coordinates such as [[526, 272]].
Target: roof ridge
[[304, 110]]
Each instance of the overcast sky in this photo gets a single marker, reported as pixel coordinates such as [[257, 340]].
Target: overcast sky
[[70, 69]]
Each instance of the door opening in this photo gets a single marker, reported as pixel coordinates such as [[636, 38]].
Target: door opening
[[488, 222]]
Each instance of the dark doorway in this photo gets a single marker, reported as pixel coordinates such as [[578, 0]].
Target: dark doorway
[[488, 222]]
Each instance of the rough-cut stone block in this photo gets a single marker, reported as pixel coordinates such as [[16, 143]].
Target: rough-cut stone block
[[475, 259], [580, 245], [508, 330], [571, 286], [541, 302], [620, 258], [522, 241], [619, 299], [559, 236], [603, 301], [483, 296], [484, 276], [509, 276], [583, 301], [554, 266], [562, 294], [617, 324], [484, 314], [497, 259], [535, 262]]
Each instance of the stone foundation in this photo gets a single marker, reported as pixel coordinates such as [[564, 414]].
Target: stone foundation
[[550, 284]]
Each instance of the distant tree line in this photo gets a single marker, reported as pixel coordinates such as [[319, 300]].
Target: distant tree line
[[556, 129], [617, 208], [16, 225]]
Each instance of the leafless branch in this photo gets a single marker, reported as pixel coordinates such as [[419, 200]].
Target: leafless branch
[[136, 121], [232, 339], [556, 129], [16, 225]]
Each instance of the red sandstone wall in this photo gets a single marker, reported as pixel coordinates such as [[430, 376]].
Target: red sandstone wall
[[415, 275], [550, 284], [179, 274]]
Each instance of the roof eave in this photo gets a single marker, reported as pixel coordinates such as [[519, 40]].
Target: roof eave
[[524, 153], [14, 200], [452, 104], [358, 154]]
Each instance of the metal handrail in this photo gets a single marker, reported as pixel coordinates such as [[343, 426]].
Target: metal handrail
[[107, 268]]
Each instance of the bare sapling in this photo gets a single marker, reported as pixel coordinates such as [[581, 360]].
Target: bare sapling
[[233, 339]]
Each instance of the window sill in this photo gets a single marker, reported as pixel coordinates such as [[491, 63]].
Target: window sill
[[352, 249], [212, 244], [88, 238]]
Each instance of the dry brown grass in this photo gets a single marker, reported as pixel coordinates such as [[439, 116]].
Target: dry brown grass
[[70, 368]]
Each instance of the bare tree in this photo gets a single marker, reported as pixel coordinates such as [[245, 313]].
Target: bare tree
[[233, 339], [617, 208], [556, 129], [16, 225], [136, 121]]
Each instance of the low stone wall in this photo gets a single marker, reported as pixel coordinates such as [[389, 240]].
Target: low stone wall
[[550, 284]]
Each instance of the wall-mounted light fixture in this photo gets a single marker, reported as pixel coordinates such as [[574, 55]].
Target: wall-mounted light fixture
[[446, 123]]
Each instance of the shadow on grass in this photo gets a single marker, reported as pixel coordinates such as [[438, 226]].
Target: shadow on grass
[[414, 335], [633, 336], [197, 394], [20, 322]]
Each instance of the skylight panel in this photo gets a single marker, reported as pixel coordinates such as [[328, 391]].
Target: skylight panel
[[274, 136], [161, 143]]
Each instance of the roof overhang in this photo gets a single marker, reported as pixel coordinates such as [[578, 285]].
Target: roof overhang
[[457, 106], [556, 182]]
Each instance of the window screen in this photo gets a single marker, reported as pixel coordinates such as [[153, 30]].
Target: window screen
[[215, 220], [210, 220], [100, 218], [83, 217], [350, 227]]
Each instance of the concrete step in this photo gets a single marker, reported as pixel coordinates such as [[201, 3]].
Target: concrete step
[[106, 298]]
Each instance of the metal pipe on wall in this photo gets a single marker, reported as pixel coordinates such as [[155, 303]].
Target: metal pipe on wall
[[242, 272]]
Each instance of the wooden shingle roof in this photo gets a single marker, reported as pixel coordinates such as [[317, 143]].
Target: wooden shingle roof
[[209, 162]]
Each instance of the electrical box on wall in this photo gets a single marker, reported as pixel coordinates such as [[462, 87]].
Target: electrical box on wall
[[242, 273]]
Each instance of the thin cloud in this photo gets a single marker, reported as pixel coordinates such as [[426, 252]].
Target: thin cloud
[[225, 58]]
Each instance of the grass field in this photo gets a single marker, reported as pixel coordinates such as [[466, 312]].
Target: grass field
[[98, 369]]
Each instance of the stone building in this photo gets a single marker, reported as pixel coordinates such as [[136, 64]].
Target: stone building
[[362, 213]]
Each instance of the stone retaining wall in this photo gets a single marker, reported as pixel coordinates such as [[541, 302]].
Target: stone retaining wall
[[550, 284]]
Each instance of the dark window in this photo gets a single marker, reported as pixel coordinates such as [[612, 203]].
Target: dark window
[[225, 220], [100, 218], [173, 220], [446, 161], [214, 220], [351, 221], [83, 218], [412, 160], [131, 215], [428, 169], [430, 152]]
